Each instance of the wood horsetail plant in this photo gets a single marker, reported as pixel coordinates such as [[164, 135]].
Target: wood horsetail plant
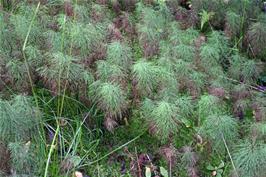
[[18, 119], [173, 91], [250, 158], [20, 123], [151, 28], [166, 116], [256, 36], [111, 99], [70, 73]]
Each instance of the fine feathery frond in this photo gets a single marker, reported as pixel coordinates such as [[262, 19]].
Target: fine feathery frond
[[259, 130], [178, 36], [75, 35], [17, 72], [233, 26], [250, 158], [165, 117], [65, 67], [189, 160], [153, 23], [85, 36], [209, 105], [215, 51], [247, 9], [216, 127], [257, 38], [107, 71], [243, 69], [215, 6], [110, 98], [21, 22], [184, 52], [185, 106], [145, 73], [183, 69], [167, 81], [18, 120], [23, 159], [119, 54], [209, 55]]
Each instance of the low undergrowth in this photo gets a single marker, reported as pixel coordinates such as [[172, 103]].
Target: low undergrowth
[[133, 88]]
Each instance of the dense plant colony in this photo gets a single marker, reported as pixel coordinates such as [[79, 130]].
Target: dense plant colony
[[133, 88]]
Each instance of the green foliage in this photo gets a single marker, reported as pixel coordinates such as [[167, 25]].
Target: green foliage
[[216, 127], [7, 5], [247, 9], [18, 119], [184, 52], [215, 51], [243, 69], [185, 106], [24, 162], [21, 21], [189, 160], [217, 169], [119, 54], [205, 18], [107, 71], [233, 25], [153, 23], [183, 68], [256, 35], [64, 67], [110, 98], [146, 75], [92, 78], [198, 79], [34, 56], [178, 36], [75, 35], [17, 72], [219, 41], [3, 32], [259, 129], [215, 6], [86, 36], [250, 158], [209, 55], [209, 105], [165, 117]]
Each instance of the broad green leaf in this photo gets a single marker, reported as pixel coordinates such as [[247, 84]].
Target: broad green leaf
[[220, 171], [221, 165], [163, 171], [210, 167], [218, 175]]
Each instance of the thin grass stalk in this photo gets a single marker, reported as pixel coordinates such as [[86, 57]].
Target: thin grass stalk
[[60, 71], [51, 150], [41, 130], [70, 52], [24, 55], [61, 105], [113, 151], [59, 112], [229, 154], [117, 149], [77, 133]]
